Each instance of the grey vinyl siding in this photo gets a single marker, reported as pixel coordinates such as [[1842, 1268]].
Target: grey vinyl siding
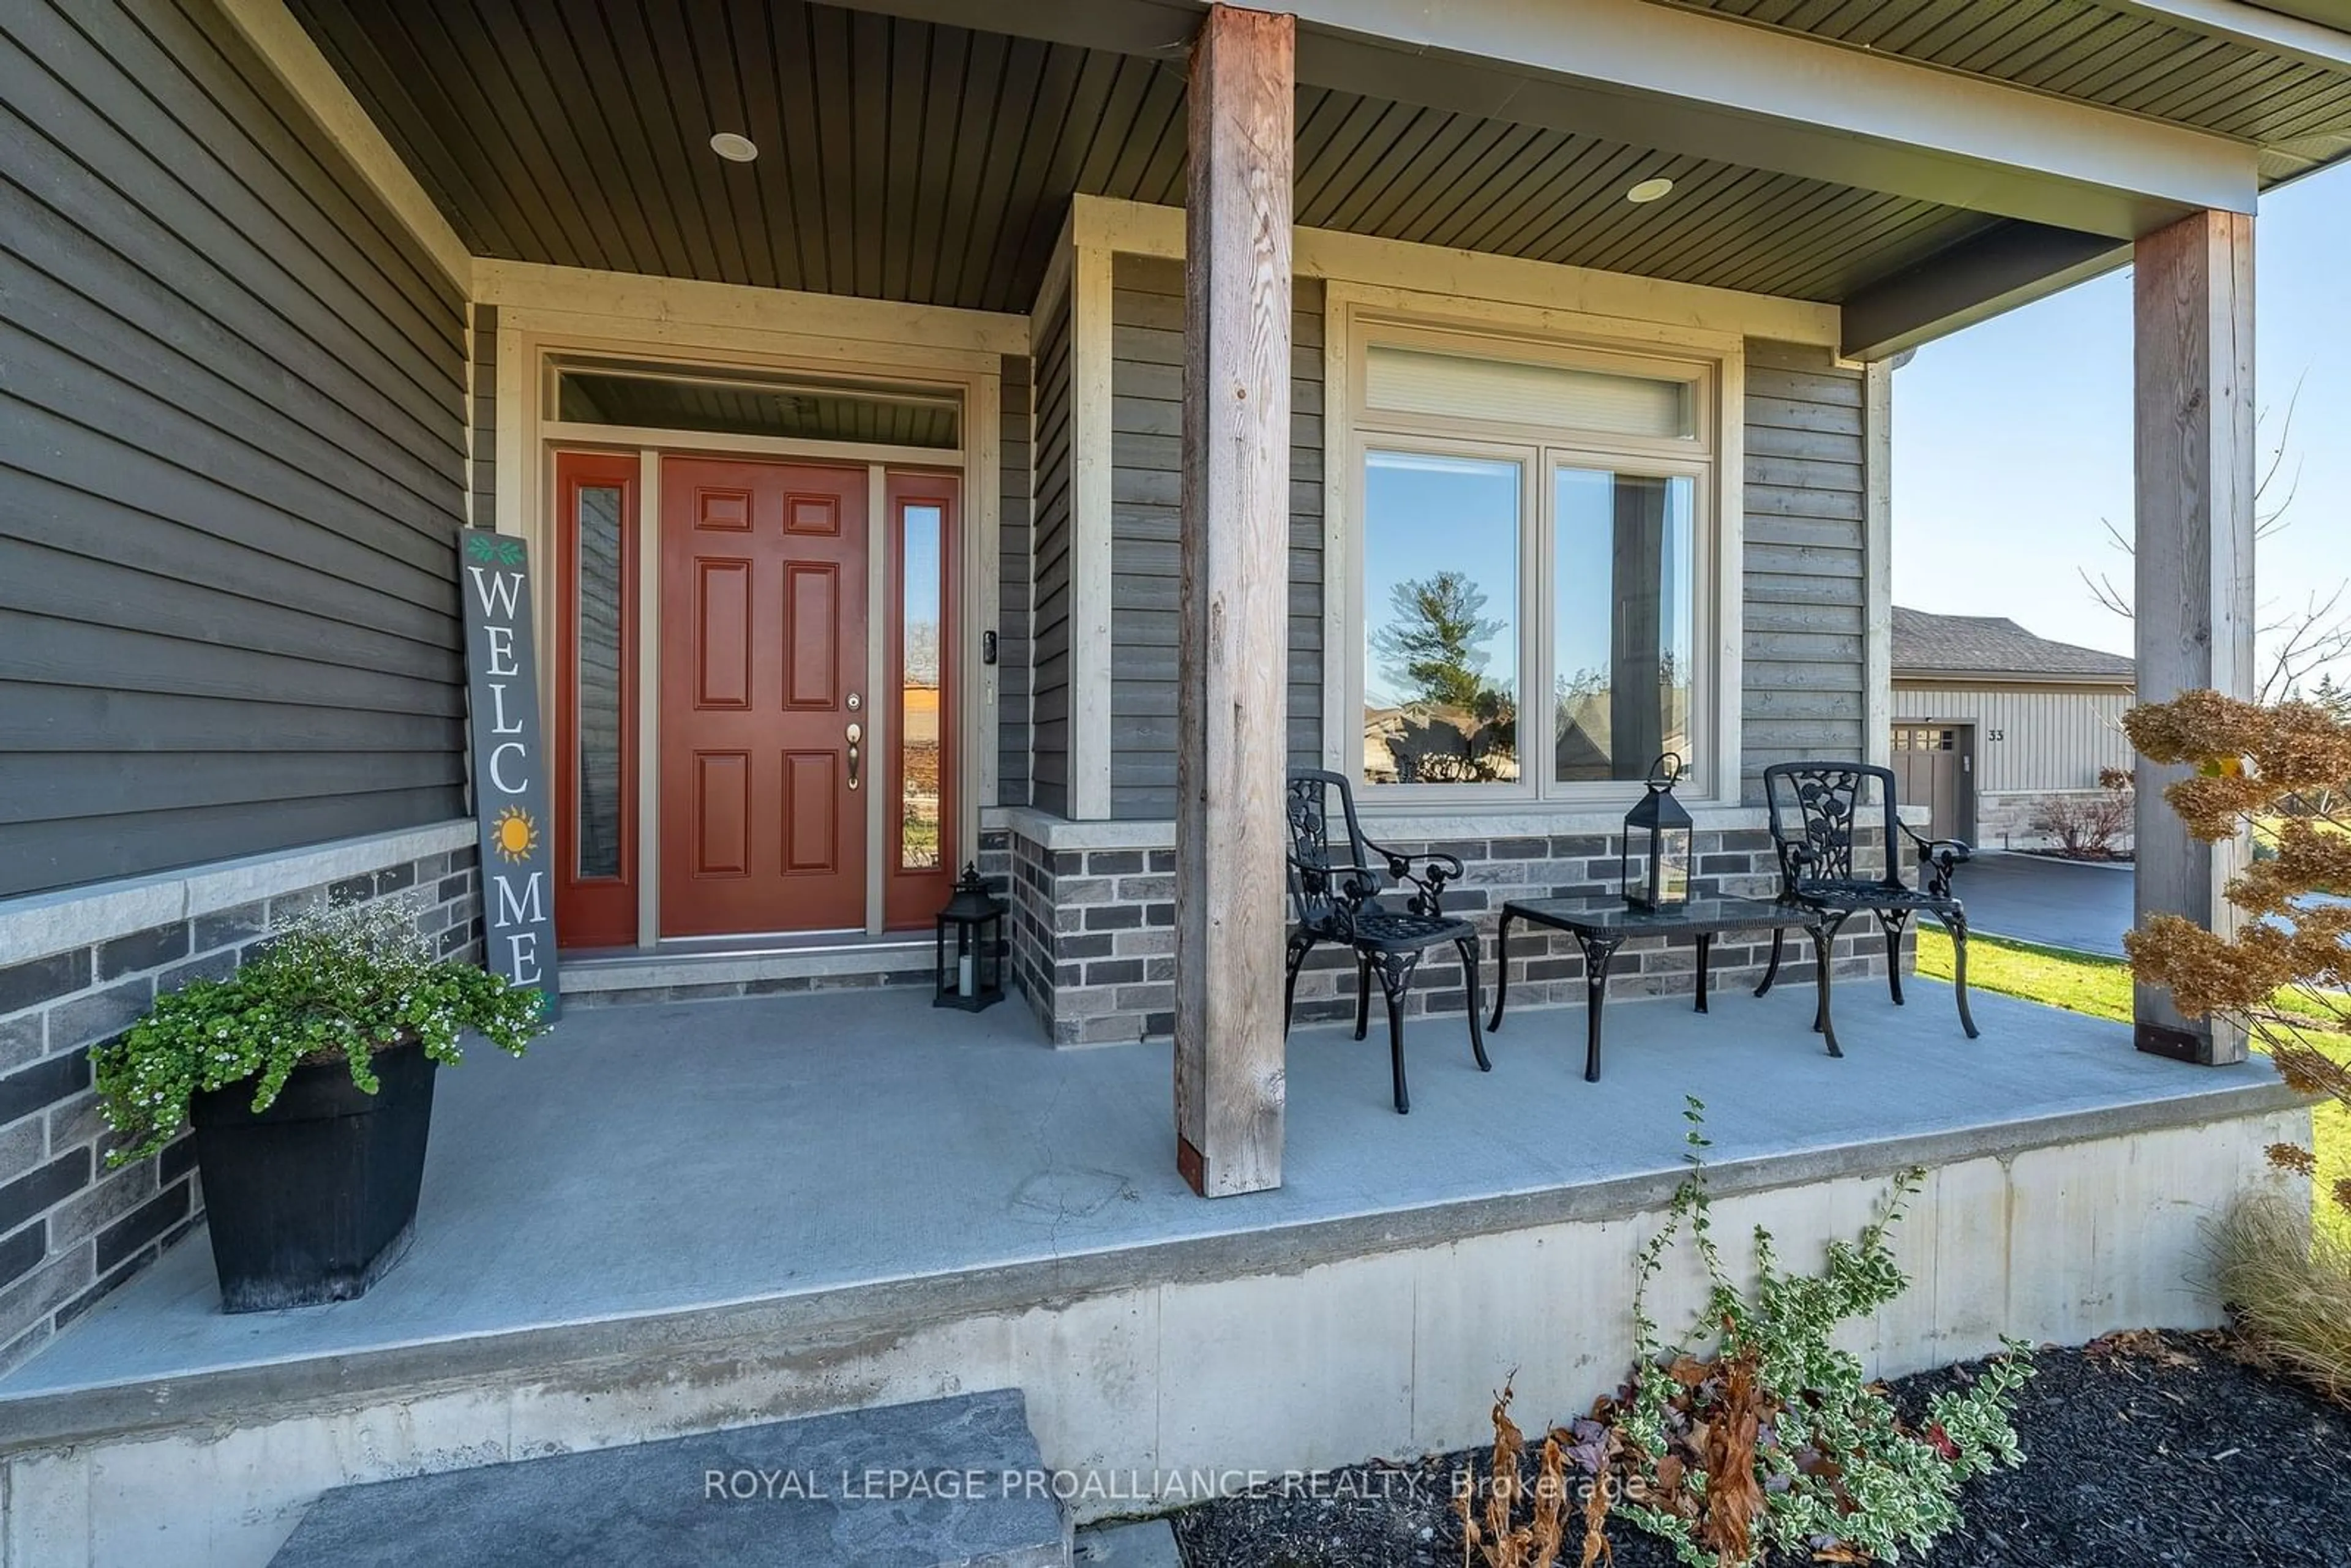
[[1146, 447], [1013, 583], [483, 483], [1049, 577], [232, 463], [1806, 574]]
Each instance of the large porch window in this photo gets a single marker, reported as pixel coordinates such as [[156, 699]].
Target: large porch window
[[1535, 547]]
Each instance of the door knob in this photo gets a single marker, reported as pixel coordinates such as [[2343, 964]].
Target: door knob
[[856, 734]]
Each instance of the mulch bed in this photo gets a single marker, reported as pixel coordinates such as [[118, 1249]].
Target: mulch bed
[[2144, 1450]]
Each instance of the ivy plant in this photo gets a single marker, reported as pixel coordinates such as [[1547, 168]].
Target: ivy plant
[[337, 987]]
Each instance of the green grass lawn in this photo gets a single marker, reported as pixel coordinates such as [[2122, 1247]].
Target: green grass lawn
[[2102, 986]]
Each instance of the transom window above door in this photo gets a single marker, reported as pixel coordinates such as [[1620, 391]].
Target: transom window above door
[[1536, 549], [640, 397]]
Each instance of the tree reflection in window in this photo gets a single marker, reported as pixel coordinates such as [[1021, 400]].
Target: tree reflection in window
[[1441, 564]]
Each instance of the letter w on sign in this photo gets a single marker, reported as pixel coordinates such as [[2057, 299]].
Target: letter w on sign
[[509, 757]]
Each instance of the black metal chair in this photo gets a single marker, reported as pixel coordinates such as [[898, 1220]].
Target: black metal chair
[[1814, 807], [1336, 889]]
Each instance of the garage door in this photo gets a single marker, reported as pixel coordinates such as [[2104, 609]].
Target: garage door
[[1935, 767]]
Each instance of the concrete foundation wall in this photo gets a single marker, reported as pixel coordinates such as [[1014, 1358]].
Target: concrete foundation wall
[[77, 969], [1390, 1351]]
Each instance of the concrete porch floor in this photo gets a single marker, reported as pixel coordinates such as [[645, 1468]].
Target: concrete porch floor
[[660, 1175]]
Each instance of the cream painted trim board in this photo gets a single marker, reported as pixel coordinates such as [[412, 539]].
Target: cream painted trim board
[[982, 549], [943, 335], [876, 716], [1342, 611], [649, 868], [288, 50], [1730, 568], [1092, 562], [1877, 562], [1634, 307]]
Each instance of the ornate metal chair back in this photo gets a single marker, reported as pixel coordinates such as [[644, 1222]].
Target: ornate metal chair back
[[1815, 807], [1327, 858]]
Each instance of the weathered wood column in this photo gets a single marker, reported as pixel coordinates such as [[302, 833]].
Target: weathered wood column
[[1232, 653], [2193, 297]]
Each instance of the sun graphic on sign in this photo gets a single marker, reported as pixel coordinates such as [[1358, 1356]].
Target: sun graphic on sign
[[515, 834]]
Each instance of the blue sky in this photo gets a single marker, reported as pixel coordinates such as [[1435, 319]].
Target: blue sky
[[2012, 440]]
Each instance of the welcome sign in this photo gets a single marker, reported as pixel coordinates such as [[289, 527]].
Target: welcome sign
[[509, 773]]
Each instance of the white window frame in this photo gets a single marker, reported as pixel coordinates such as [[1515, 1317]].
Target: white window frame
[[1711, 361]]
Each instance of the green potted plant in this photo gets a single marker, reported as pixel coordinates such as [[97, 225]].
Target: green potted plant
[[308, 1076]]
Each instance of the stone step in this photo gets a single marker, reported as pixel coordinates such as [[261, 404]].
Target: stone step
[[942, 1483], [1140, 1543]]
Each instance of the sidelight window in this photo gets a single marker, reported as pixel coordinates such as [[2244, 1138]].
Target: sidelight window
[[597, 718], [921, 733]]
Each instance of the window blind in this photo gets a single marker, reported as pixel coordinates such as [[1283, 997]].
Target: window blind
[[1558, 397]]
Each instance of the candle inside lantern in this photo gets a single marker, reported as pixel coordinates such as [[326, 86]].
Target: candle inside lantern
[[964, 973]]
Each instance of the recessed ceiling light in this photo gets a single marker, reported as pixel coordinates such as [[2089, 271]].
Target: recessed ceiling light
[[1649, 190], [733, 147]]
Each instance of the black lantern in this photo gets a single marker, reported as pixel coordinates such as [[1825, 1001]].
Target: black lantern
[[1656, 858], [971, 947]]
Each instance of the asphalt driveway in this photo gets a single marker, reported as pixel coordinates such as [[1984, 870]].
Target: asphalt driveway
[[2060, 904]]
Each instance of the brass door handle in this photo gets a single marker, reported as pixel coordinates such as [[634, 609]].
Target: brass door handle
[[856, 734]]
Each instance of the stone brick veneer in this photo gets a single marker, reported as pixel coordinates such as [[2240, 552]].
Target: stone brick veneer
[[70, 1229], [1093, 936], [2005, 821]]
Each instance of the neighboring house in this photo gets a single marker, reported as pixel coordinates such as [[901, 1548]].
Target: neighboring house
[[836, 362], [1991, 723]]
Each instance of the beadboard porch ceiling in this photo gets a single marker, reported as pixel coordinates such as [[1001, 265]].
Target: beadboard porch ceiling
[[911, 161], [2117, 54]]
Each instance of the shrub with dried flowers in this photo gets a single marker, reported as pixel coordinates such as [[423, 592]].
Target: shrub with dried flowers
[[2285, 974], [2281, 771]]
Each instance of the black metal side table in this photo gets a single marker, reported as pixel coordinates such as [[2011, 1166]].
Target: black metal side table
[[1601, 926]]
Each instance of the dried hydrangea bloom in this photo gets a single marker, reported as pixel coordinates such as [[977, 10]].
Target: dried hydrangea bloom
[[2282, 766]]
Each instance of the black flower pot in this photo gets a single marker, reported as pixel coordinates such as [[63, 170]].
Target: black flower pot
[[312, 1199]]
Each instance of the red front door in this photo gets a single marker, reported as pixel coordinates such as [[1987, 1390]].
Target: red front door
[[764, 714]]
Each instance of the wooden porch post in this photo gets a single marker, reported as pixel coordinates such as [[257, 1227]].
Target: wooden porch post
[[1232, 655], [2193, 296]]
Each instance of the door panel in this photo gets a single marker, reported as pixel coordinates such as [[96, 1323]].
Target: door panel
[[811, 636], [722, 812], [811, 786], [722, 614], [763, 650]]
